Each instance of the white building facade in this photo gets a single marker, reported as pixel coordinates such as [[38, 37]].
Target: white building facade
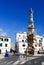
[[5, 44], [40, 42], [43, 42], [21, 42]]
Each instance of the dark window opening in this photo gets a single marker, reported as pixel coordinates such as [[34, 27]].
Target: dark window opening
[[39, 40], [5, 39], [23, 45], [22, 40], [0, 51], [39, 45], [5, 45], [1, 44]]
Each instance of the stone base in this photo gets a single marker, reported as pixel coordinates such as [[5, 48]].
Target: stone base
[[30, 52], [35, 53], [12, 53]]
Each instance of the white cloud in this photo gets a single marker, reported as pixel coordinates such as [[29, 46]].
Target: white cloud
[[2, 33]]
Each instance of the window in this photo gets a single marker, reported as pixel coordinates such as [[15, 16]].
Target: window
[[39, 45], [5, 39], [1, 39], [22, 40], [5, 45], [19, 35], [0, 44], [23, 45], [39, 40], [23, 48]]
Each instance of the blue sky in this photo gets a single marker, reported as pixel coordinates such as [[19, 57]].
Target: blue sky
[[14, 16]]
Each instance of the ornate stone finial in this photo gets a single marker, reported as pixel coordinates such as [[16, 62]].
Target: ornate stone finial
[[31, 15], [31, 25], [31, 11]]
